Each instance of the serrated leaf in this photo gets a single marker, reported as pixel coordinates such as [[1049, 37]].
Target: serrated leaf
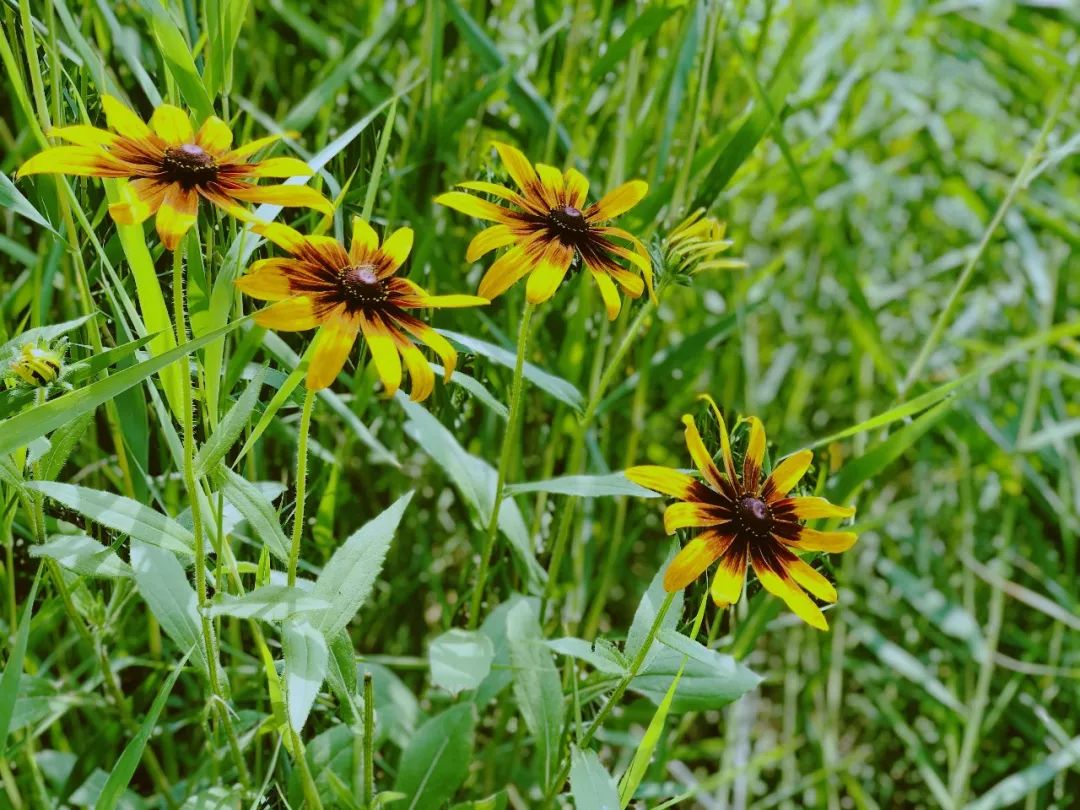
[[231, 426], [437, 758], [590, 784], [306, 660], [83, 555], [271, 603], [536, 685], [257, 510]]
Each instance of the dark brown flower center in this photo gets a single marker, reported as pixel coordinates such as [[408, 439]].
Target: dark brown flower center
[[754, 516], [189, 165], [361, 286], [568, 223]]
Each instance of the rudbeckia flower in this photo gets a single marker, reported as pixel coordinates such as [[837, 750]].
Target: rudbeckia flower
[[346, 293], [744, 520], [171, 166], [548, 226]]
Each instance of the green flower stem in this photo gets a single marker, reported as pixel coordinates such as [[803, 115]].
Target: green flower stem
[[577, 451], [301, 484], [369, 739], [616, 696], [191, 484], [524, 332]]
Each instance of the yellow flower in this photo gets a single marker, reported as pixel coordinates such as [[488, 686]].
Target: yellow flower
[[695, 244], [548, 226], [171, 166], [747, 521], [347, 293]]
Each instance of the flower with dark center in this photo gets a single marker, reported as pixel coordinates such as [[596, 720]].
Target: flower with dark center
[[348, 293], [548, 226], [171, 166], [747, 521]]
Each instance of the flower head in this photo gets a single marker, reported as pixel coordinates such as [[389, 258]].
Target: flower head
[[38, 365], [171, 166], [695, 245], [347, 293], [548, 226], [745, 520]]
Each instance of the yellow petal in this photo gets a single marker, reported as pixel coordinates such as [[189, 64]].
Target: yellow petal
[[242, 152], [494, 189], [612, 302], [122, 120], [294, 314], [454, 301], [517, 165], [267, 280], [283, 236], [489, 239], [788, 473], [139, 200], [801, 604], [396, 248], [813, 507], [664, 480], [176, 214], [364, 240], [728, 578], [549, 273], [701, 456], [684, 515], [473, 206], [725, 439], [618, 201], [811, 580], [576, 188], [755, 452], [81, 161], [332, 346], [383, 352], [172, 125], [287, 195], [551, 180], [420, 373], [442, 346], [813, 540], [214, 135], [505, 272], [631, 282], [279, 167], [83, 135], [693, 559]]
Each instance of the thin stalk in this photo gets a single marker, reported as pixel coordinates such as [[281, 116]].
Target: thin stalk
[[616, 696], [311, 792], [301, 484], [514, 417], [191, 484], [369, 739]]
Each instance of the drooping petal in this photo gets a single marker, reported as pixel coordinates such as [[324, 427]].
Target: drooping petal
[[813, 540], [693, 559], [576, 188], [664, 480], [729, 576], [618, 201], [631, 282], [81, 161], [794, 596], [294, 314], [214, 135], [332, 346], [364, 240], [122, 120], [755, 453], [420, 373], [172, 125], [505, 271], [808, 578], [396, 249], [283, 236], [549, 273], [612, 302], [139, 200], [383, 352], [176, 214], [279, 167], [725, 439], [809, 508], [83, 135], [489, 239], [421, 331], [517, 165], [473, 206], [787, 474], [685, 515], [701, 456], [287, 195], [267, 280]]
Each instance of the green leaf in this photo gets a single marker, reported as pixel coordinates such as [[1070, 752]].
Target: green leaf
[[21, 429], [63, 441], [13, 667], [13, 200], [120, 514], [600, 654], [83, 555], [346, 580], [436, 761], [460, 660], [647, 609], [537, 687], [40, 335], [1010, 790], [125, 767], [271, 603], [256, 509], [229, 429], [585, 486], [590, 784], [646, 24], [559, 388], [306, 660], [475, 479], [178, 59], [900, 662]]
